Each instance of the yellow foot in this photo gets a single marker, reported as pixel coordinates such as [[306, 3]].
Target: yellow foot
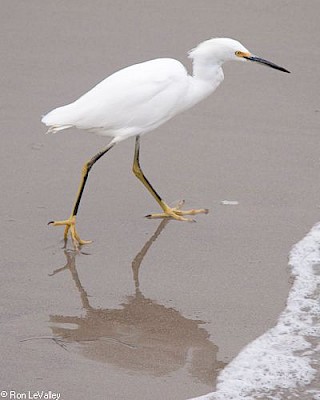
[[71, 225], [176, 213]]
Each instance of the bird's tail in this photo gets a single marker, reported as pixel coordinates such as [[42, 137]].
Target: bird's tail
[[56, 120]]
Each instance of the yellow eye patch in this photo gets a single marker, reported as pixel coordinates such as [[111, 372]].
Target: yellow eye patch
[[242, 54]]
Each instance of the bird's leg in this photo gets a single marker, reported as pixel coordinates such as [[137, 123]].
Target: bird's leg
[[70, 223], [168, 212]]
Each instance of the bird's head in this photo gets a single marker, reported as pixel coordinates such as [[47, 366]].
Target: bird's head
[[220, 50]]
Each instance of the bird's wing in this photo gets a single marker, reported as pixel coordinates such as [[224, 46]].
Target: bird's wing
[[136, 97]]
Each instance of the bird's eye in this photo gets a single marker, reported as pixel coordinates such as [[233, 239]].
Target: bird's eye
[[238, 53]]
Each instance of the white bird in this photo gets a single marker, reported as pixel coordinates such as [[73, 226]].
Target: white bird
[[140, 98]]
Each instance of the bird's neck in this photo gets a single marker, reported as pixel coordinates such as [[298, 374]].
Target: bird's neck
[[204, 81], [208, 71]]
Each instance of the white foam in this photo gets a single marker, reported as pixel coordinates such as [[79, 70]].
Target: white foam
[[281, 363]]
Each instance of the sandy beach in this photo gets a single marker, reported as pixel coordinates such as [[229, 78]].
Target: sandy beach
[[151, 310]]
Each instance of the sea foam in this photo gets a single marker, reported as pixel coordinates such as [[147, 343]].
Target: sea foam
[[284, 362]]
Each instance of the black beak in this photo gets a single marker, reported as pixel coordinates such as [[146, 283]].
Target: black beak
[[267, 63]]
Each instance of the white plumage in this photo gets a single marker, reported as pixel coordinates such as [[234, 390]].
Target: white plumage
[[132, 101]]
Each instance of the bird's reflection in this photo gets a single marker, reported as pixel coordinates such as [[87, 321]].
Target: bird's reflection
[[141, 336]]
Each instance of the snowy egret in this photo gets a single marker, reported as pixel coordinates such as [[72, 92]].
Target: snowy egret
[[140, 98]]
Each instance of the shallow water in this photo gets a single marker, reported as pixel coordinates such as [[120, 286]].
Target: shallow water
[[140, 336]]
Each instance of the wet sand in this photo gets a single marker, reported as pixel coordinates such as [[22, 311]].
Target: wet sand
[[151, 310]]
